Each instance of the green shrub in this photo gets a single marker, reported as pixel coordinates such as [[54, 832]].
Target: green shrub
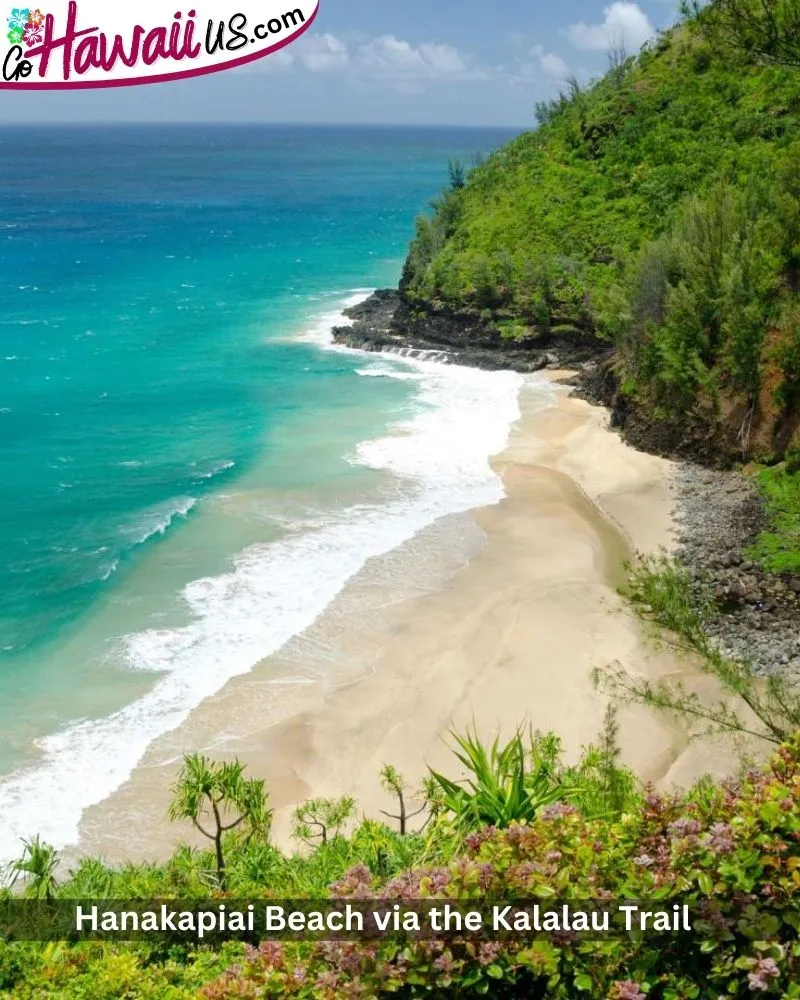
[[729, 853], [662, 592]]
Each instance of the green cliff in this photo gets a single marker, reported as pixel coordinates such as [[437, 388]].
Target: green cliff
[[656, 210]]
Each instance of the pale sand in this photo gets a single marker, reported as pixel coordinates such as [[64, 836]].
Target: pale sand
[[511, 638]]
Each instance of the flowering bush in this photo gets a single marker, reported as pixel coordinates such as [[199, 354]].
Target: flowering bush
[[729, 852]]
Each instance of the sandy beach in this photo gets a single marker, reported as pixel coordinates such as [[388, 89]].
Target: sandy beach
[[510, 638]]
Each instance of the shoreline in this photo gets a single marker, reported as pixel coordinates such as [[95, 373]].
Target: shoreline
[[495, 643]]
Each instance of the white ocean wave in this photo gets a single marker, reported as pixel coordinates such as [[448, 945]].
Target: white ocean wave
[[158, 520], [440, 456]]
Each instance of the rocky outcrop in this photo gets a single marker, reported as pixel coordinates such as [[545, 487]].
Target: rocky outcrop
[[386, 323]]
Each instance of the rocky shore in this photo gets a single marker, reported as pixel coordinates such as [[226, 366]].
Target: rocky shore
[[385, 323], [756, 615]]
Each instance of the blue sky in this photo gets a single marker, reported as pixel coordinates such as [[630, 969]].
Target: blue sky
[[459, 62]]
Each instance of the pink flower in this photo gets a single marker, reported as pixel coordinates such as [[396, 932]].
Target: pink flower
[[758, 979], [628, 990], [444, 963], [33, 35], [556, 811], [271, 954], [489, 952], [720, 839]]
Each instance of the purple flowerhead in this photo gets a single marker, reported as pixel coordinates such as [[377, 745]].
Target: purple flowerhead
[[758, 979], [489, 952], [684, 827], [271, 954], [720, 839], [556, 811], [628, 990]]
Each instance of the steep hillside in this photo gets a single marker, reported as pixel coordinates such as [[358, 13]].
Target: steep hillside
[[657, 213]]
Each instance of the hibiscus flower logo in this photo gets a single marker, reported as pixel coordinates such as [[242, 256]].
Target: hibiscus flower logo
[[26, 26], [34, 34], [20, 16]]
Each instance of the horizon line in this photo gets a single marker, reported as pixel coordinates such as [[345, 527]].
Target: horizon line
[[249, 124]]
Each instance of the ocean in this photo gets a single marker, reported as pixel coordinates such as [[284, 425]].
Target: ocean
[[189, 472]]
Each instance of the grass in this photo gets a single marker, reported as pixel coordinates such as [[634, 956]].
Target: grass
[[778, 548]]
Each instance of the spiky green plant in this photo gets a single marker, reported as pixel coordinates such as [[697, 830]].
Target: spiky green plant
[[507, 783], [36, 869]]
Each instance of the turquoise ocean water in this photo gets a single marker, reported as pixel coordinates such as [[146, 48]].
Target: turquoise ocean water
[[188, 474]]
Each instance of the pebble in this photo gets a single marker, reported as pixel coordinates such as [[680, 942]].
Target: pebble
[[757, 615]]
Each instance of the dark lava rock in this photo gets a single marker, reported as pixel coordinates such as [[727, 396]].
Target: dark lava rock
[[386, 323]]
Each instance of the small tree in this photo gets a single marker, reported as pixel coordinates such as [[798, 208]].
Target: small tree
[[394, 783], [458, 174], [767, 29], [321, 820], [219, 794], [617, 61], [37, 868]]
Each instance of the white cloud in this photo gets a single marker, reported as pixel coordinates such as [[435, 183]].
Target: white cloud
[[322, 53], [550, 64], [384, 57], [624, 24], [282, 59], [394, 59], [554, 66]]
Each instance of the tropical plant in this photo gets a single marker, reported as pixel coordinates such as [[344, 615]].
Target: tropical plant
[[207, 792], [321, 820], [766, 29], [661, 591], [506, 783], [727, 852], [37, 869], [394, 783]]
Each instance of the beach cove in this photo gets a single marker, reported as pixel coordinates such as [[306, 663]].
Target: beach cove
[[509, 638]]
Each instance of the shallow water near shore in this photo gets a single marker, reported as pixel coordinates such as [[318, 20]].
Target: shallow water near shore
[[188, 476]]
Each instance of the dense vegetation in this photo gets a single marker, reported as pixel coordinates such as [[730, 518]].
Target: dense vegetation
[[588, 832], [658, 210], [524, 826]]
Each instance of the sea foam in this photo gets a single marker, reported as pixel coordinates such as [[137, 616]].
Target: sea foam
[[439, 456]]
